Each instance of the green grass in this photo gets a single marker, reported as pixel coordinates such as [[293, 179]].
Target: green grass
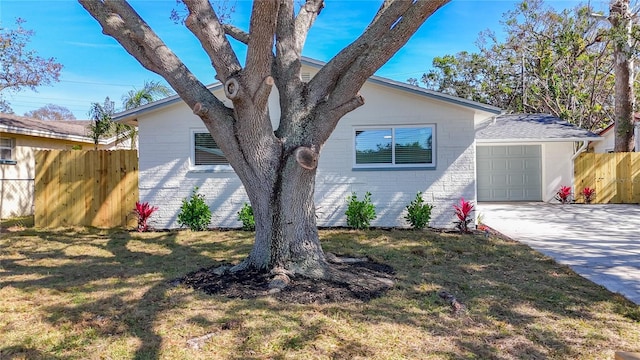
[[92, 294]]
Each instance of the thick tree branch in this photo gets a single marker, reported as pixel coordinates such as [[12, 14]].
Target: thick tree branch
[[262, 28], [305, 19], [203, 22], [391, 28], [236, 33], [291, 35]]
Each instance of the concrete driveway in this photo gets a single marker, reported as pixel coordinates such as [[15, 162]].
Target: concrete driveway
[[599, 242]]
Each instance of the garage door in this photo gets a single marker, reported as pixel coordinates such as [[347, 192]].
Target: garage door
[[509, 173]]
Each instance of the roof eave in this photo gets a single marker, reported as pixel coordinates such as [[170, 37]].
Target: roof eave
[[538, 140], [44, 134]]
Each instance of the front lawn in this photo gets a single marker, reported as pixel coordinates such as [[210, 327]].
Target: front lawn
[[91, 294]]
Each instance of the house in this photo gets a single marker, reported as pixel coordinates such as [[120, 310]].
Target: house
[[19, 138], [527, 157], [437, 132], [609, 137], [608, 142]]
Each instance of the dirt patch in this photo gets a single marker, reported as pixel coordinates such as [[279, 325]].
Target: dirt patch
[[302, 290]]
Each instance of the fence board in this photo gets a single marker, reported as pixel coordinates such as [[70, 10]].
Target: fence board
[[86, 188], [614, 176]]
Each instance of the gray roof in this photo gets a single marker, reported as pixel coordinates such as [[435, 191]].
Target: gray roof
[[530, 128], [75, 130], [129, 115]]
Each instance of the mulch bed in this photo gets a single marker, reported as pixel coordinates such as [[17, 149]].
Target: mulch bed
[[254, 284]]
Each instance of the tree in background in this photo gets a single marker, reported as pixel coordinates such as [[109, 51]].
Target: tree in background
[[151, 91], [559, 63], [20, 67], [276, 166], [101, 125], [51, 112]]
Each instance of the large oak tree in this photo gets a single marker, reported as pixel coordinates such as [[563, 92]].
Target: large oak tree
[[276, 166]]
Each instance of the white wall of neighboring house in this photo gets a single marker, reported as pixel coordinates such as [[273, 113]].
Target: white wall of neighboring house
[[607, 144], [166, 175]]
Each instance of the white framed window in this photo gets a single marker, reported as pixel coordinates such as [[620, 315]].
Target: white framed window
[[205, 153], [7, 151], [406, 146]]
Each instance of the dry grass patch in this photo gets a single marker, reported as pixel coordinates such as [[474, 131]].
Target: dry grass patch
[[82, 293]]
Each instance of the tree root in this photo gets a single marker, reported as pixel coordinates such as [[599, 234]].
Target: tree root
[[337, 278], [456, 306]]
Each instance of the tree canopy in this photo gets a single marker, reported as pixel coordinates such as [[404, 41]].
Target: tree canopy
[[21, 67], [51, 112], [553, 62]]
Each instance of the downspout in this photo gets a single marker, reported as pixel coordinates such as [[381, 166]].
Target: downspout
[[582, 148]]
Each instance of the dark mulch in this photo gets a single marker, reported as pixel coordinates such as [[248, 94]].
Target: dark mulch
[[254, 284]]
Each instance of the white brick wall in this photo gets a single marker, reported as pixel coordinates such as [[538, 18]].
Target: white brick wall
[[165, 176]]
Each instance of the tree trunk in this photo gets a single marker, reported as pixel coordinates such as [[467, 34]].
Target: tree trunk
[[620, 19], [286, 231]]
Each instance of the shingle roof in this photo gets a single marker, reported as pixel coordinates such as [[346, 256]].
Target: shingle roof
[[530, 127], [58, 129]]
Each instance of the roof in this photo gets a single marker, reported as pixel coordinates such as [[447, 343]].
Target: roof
[[530, 128], [74, 130], [132, 114]]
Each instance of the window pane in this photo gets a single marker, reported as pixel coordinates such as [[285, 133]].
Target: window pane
[[207, 151], [5, 154], [5, 143], [373, 146], [414, 145]]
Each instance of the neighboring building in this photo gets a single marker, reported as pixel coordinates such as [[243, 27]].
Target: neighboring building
[[527, 157], [176, 156], [608, 141], [19, 137], [609, 138]]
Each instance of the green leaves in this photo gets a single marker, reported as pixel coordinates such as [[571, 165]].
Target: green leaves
[[360, 212], [195, 213], [418, 213]]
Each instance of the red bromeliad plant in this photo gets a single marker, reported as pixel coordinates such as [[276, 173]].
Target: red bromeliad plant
[[588, 194], [143, 211], [564, 194], [463, 212]]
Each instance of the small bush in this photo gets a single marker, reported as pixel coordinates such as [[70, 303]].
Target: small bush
[[418, 213], [463, 213], [588, 194], [564, 194], [360, 213], [144, 211], [246, 216], [194, 212]]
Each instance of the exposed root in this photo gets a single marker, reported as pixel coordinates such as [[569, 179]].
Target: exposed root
[[347, 279], [332, 258]]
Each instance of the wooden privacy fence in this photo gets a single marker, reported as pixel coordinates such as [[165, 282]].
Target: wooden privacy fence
[[86, 188], [615, 177]]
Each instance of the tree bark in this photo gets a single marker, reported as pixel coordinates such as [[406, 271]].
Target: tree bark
[[620, 18]]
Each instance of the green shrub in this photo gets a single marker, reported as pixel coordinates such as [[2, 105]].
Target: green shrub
[[246, 216], [194, 212], [418, 213], [360, 213]]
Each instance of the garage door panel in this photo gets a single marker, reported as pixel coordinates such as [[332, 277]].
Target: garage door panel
[[509, 173]]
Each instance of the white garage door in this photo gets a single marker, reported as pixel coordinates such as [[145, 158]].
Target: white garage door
[[509, 173]]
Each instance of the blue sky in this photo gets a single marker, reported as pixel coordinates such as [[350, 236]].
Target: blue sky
[[95, 66]]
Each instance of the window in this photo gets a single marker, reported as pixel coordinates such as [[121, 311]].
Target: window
[[395, 147], [206, 154], [7, 151]]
